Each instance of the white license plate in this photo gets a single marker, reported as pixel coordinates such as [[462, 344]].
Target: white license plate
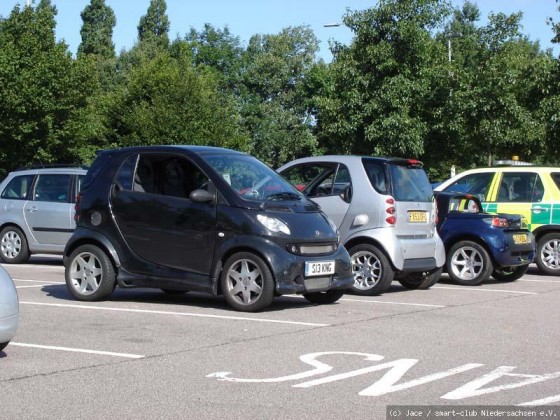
[[319, 268]]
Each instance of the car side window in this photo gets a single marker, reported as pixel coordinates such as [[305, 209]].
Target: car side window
[[315, 179], [53, 188], [18, 187], [126, 172], [168, 175], [524, 187], [476, 184]]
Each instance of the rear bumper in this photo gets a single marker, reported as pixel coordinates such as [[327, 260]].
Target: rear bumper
[[509, 254], [8, 327]]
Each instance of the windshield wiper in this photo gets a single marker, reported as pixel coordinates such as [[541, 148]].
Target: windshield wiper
[[284, 195]]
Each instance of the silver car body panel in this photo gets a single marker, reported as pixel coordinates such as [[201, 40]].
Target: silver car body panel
[[9, 307]]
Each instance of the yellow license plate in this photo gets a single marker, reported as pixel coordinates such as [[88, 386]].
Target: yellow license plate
[[417, 216], [521, 238]]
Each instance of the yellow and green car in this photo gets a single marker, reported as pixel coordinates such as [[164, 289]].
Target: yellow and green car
[[531, 191]]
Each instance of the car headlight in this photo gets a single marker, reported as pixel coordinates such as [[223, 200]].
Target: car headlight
[[273, 224]]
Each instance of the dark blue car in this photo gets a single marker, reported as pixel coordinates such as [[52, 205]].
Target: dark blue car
[[478, 244]]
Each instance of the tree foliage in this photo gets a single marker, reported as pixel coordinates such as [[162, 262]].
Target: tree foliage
[[97, 30]]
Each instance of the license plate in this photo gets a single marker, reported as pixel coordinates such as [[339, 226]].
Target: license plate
[[417, 216], [520, 238], [319, 268]]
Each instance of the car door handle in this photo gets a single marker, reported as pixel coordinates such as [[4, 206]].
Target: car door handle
[[539, 209], [32, 209]]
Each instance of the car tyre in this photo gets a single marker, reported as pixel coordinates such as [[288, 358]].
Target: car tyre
[[373, 273], [3, 345], [421, 281], [247, 282], [324, 298], [468, 263], [13, 246], [510, 273], [548, 257], [90, 275]]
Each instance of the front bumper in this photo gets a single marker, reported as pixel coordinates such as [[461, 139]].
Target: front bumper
[[8, 327]]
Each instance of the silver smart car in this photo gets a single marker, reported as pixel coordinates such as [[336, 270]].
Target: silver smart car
[[385, 212], [9, 309]]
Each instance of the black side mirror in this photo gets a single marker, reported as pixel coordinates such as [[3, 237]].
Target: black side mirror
[[202, 196], [116, 188], [346, 195]]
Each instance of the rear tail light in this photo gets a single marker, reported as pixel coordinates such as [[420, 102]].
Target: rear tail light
[[498, 222], [77, 208], [390, 209]]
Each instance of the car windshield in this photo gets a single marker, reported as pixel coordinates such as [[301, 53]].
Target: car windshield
[[253, 180]]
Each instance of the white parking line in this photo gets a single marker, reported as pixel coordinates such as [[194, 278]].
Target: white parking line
[[541, 281], [30, 287], [104, 353], [41, 266], [476, 289], [394, 303], [145, 311], [39, 281]]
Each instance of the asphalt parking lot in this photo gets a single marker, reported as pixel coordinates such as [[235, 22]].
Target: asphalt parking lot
[[144, 354]]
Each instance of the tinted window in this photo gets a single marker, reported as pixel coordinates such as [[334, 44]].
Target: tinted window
[[18, 187], [53, 188], [376, 174], [410, 184], [126, 172], [168, 175], [520, 187], [310, 175], [476, 184]]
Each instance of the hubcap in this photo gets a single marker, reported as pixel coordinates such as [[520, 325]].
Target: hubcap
[[244, 282], [550, 254], [86, 273], [367, 270], [467, 263], [11, 245]]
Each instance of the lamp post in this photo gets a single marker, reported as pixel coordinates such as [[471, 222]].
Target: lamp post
[[451, 36]]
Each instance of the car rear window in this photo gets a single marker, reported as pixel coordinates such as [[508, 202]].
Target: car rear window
[[410, 183]]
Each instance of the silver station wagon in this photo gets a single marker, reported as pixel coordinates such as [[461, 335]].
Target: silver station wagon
[[385, 212], [37, 211]]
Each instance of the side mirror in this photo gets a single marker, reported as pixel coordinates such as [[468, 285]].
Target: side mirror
[[201, 196], [346, 195], [116, 188]]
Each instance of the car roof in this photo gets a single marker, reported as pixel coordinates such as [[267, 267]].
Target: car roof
[[52, 170], [348, 159], [193, 149]]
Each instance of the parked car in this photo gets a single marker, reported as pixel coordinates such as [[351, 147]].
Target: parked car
[[37, 211], [480, 244], [385, 212], [531, 191], [9, 309], [194, 218]]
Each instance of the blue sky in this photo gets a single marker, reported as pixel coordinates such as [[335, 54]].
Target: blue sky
[[247, 17]]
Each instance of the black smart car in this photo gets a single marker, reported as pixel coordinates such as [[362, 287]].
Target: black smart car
[[196, 218]]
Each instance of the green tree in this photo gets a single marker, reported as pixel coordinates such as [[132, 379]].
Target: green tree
[[41, 88], [154, 25], [97, 30]]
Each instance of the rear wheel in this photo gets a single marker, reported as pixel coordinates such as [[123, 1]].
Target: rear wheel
[[373, 273], [324, 298], [247, 283], [13, 246], [548, 254], [510, 273], [468, 263], [90, 274], [421, 281]]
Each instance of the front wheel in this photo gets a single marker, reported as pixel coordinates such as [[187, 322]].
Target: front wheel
[[13, 246], [510, 273], [468, 263], [324, 298], [372, 271], [548, 254], [421, 281], [90, 274], [3, 345], [247, 282]]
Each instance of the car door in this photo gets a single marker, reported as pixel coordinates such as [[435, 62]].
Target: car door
[[49, 213], [326, 183], [157, 219]]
